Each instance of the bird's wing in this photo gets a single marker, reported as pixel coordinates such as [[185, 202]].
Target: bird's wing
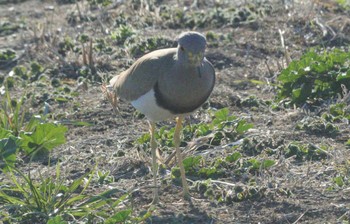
[[143, 74]]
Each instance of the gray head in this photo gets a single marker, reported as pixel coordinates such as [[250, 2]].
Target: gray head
[[191, 47]]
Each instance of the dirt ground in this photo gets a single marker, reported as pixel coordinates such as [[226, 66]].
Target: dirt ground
[[247, 54]]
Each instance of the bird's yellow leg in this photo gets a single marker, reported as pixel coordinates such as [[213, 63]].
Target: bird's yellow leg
[[153, 142], [177, 142]]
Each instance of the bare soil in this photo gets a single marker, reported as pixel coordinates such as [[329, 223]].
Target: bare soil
[[292, 191]]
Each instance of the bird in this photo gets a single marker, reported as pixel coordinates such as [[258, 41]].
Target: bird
[[167, 84]]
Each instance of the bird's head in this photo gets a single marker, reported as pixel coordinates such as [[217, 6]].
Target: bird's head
[[191, 47]]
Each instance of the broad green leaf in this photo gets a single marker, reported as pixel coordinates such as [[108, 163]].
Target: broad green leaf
[[233, 157], [8, 149], [267, 163], [121, 216], [209, 172], [45, 136], [191, 162], [243, 126], [221, 115]]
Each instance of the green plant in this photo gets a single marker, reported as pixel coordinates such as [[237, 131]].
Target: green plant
[[104, 177], [8, 150], [223, 126], [345, 4], [122, 34], [6, 56], [100, 2], [42, 138], [21, 72], [317, 126], [52, 198], [35, 71], [256, 164], [33, 137], [316, 76], [7, 28], [148, 45], [305, 151], [12, 114], [348, 143]]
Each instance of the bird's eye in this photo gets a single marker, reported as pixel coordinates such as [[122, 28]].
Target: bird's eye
[[182, 48]]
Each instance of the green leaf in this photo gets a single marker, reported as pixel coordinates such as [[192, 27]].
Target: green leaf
[[243, 126], [4, 133], [348, 143], [82, 123], [191, 162], [339, 181], [233, 157], [56, 220], [45, 137], [121, 216], [222, 114], [343, 76], [8, 149], [267, 163]]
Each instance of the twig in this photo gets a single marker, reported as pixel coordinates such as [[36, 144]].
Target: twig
[[222, 182], [286, 55], [296, 221]]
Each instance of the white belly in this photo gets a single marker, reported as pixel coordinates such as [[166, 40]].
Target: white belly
[[147, 105]]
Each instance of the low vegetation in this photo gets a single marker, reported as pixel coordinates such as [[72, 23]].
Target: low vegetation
[[269, 136]]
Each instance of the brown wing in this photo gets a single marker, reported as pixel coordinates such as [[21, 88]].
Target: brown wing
[[143, 74]]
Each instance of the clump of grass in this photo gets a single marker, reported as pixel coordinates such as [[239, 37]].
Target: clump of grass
[[33, 136], [52, 198]]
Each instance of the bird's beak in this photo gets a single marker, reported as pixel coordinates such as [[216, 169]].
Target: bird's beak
[[195, 59]]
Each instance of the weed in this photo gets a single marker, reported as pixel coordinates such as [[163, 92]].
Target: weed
[[215, 17], [149, 45], [41, 138], [317, 126], [99, 2], [7, 28], [21, 72], [33, 137], [103, 177], [345, 4], [348, 143], [65, 46], [123, 33], [305, 151], [8, 149], [6, 57], [223, 127], [12, 114], [52, 198], [315, 77]]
